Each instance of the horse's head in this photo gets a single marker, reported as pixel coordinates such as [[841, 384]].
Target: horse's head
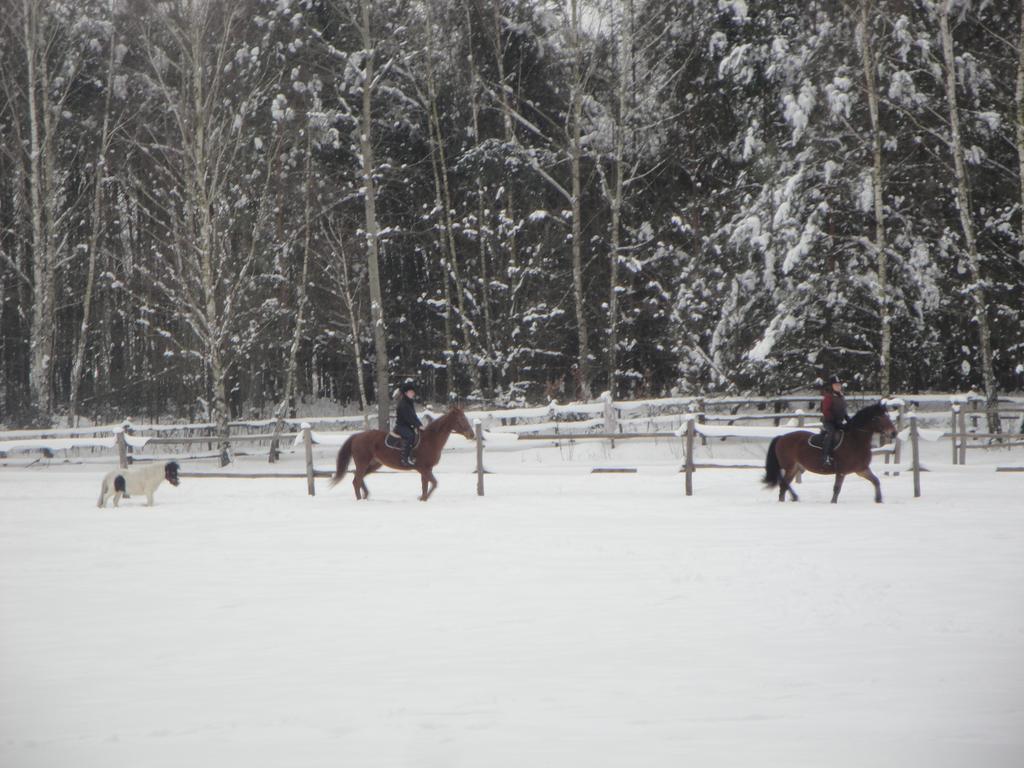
[[461, 424], [171, 472], [874, 418]]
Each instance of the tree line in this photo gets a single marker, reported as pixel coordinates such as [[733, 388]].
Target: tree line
[[217, 209]]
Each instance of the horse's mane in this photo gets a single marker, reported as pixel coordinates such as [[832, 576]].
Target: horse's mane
[[865, 415], [434, 425]]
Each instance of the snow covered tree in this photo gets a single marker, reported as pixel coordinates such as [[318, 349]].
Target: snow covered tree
[[205, 96]]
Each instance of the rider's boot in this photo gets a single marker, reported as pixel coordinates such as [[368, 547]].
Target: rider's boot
[[407, 454], [826, 451], [827, 446]]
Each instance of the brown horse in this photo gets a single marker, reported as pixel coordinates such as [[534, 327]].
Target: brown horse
[[789, 455], [370, 453]]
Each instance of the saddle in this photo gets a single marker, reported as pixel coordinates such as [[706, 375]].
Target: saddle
[[818, 440], [394, 441]]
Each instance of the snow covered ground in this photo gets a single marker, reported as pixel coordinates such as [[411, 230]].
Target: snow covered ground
[[566, 619]]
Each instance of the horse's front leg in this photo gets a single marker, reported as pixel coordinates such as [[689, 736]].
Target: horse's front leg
[[867, 474], [837, 487]]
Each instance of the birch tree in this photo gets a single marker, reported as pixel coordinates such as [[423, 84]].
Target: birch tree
[[52, 59], [1019, 104], [369, 80], [349, 285], [207, 94], [578, 81], [963, 202], [109, 125], [443, 204], [480, 223], [287, 403], [880, 246]]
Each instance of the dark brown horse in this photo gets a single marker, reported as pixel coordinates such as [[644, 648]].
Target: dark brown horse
[[370, 453], [789, 455]]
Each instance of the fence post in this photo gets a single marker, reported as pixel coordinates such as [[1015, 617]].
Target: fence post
[[897, 449], [689, 455], [915, 456], [478, 428], [952, 419], [307, 440], [610, 426], [963, 436], [702, 418], [122, 449]]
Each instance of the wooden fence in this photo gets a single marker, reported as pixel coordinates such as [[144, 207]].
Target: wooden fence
[[603, 420]]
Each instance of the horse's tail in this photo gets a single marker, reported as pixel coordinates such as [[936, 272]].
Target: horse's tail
[[344, 456], [772, 475]]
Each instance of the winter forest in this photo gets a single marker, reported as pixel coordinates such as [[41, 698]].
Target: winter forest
[[234, 207]]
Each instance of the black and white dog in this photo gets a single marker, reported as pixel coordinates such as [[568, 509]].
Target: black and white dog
[[146, 479]]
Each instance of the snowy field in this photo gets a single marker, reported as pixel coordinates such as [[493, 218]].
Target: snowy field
[[566, 619]]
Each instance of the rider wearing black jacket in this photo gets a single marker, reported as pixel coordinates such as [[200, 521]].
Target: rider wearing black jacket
[[833, 416], [406, 420]]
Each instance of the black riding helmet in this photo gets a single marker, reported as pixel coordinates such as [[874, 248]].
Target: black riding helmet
[[407, 385]]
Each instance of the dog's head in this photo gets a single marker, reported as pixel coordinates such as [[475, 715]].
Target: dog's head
[[171, 472]]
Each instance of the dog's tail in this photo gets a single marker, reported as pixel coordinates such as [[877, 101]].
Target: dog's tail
[[101, 502], [772, 475], [344, 456]]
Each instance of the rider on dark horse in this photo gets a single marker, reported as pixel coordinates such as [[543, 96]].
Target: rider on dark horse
[[833, 416], [406, 421]]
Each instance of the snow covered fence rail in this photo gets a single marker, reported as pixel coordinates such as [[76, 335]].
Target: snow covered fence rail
[[117, 439], [961, 436], [651, 415]]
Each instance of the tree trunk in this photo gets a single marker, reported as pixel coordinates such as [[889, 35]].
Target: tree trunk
[[450, 353], [353, 317], [218, 373], [966, 222], [1019, 100], [444, 196], [95, 231], [43, 313], [510, 238], [624, 79], [372, 230], [286, 404], [208, 247], [576, 150], [481, 242], [881, 245]]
